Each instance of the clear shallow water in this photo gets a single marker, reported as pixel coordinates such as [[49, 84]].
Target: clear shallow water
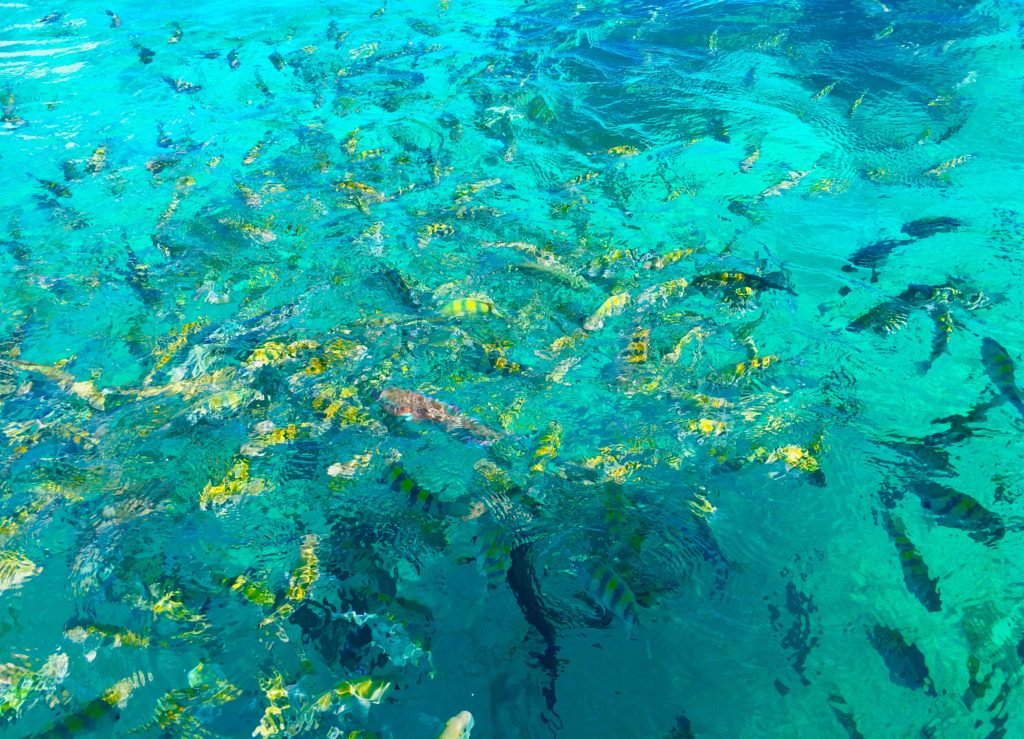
[[220, 247]]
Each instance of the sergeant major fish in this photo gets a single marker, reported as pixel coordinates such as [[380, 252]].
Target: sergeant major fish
[[959, 510], [924, 227], [614, 595], [770, 281], [892, 315], [100, 714], [874, 255], [1001, 371], [547, 447], [915, 571], [396, 478], [905, 661]]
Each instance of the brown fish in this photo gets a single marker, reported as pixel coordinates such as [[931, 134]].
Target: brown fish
[[416, 407]]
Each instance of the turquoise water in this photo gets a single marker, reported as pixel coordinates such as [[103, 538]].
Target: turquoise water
[[601, 369]]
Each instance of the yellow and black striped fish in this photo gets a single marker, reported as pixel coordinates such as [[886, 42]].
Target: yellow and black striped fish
[[959, 510], [636, 349], [499, 362], [613, 304], [468, 307], [59, 190], [494, 558], [98, 715], [402, 287], [915, 571], [670, 257], [758, 283], [547, 447], [1001, 371], [396, 478], [612, 592]]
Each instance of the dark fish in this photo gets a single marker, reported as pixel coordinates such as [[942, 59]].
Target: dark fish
[[750, 78], [742, 208], [942, 322], [682, 729], [233, 59], [146, 55], [498, 362], [960, 511], [915, 571], [885, 318], [495, 547], [949, 132], [58, 189], [277, 60], [905, 661], [51, 18], [96, 715], [844, 715], [70, 170], [718, 129], [162, 139], [402, 288], [422, 26], [115, 22], [303, 461], [924, 227], [1001, 371], [801, 636], [875, 255], [892, 315], [137, 277], [976, 688], [396, 478], [263, 87], [99, 716]]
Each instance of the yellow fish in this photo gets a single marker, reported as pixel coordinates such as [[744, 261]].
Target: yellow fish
[[745, 368], [254, 153], [941, 169], [668, 258], [97, 161], [747, 164], [547, 448], [636, 349], [458, 726], [468, 307], [856, 103], [823, 92], [613, 304]]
